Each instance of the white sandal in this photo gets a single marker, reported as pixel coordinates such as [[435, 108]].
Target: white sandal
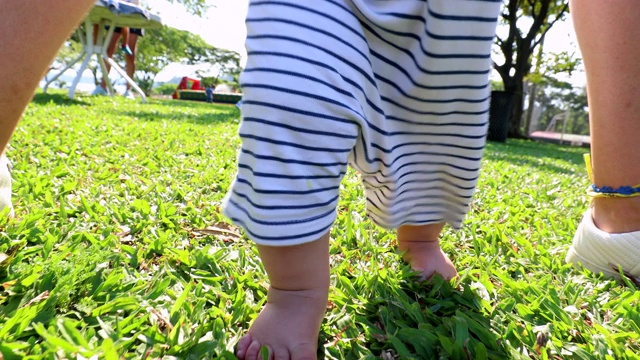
[[602, 252], [5, 184]]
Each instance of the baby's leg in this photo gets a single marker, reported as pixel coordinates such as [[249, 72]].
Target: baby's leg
[[423, 168], [297, 299], [299, 125], [421, 249]]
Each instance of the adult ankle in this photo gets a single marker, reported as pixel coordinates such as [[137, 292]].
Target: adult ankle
[[617, 215]]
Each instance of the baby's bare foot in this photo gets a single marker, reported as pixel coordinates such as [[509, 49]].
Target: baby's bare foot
[[288, 326], [427, 258]]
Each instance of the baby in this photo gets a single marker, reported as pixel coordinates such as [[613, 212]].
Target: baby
[[399, 90]]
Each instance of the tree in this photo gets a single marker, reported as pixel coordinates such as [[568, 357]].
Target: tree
[[576, 102], [163, 46], [227, 69], [555, 100], [544, 77], [555, 96], [521, 42]]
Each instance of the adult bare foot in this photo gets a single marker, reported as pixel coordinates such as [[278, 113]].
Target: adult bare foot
[[288, 326], [428, 258]]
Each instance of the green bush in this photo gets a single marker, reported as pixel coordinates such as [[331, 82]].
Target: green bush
[[165, 89]]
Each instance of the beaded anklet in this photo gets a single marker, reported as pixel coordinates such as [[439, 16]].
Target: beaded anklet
[[607, 191]]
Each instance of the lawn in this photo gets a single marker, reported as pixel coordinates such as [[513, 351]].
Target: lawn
[[119, 251]]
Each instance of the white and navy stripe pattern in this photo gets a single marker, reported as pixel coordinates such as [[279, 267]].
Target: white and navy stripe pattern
[[397, 89]]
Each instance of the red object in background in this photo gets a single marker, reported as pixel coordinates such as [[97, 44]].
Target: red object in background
[[188, 83]]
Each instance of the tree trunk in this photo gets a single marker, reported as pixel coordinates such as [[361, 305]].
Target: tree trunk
[[515, 87]]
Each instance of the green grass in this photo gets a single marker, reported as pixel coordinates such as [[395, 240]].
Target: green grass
[[119, 250]]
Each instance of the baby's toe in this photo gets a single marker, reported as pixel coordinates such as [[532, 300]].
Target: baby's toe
[[280, 353], [253, 351], [243, 346]]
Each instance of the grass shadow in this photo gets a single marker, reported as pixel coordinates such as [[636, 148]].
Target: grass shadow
[[187, 103], [536, 154], [217, 115], [57, 98], [423, 320]]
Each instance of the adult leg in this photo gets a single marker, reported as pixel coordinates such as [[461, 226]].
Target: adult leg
[[25, 53], [125, 37], [608, 32], [111, 49], [131, 58]]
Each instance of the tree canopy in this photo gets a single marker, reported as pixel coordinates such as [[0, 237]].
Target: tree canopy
[[163, 46]]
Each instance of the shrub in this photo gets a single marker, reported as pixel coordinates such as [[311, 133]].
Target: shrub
[[165, 89]]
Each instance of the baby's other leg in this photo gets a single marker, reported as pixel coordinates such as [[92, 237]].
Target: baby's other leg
[[421, 249], [296, 302]]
